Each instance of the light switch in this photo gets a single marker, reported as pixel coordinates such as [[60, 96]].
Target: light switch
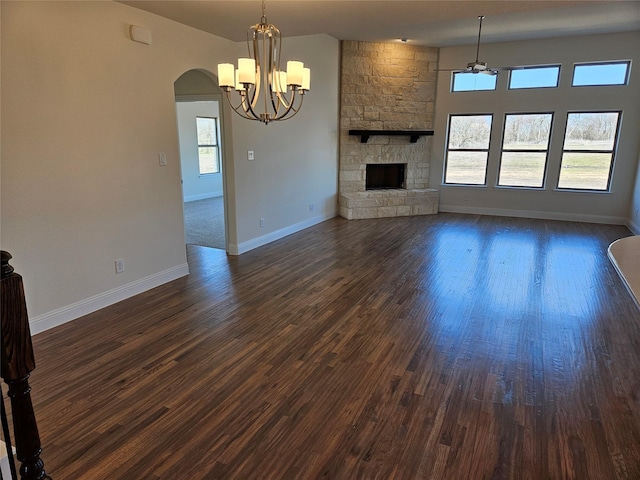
[[162, 158], [250, 155]]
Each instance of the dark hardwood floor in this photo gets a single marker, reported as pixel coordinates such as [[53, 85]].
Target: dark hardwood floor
[[437, 347]]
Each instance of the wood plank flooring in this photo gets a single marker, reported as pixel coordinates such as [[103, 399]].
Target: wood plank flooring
[[438, 347]]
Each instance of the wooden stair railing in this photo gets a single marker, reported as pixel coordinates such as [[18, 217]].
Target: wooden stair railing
[[17, 362]]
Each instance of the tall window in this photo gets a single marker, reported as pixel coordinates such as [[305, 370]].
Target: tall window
[[525, 144], [208, 151], [589, 144], [602, 73], [468, 149]]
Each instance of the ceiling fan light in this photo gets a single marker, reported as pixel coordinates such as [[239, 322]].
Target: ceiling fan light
[[477, 66]]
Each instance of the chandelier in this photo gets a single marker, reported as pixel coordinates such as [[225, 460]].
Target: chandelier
[[266, 92]]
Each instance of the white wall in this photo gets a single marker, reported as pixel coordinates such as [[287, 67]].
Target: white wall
[[549, 203], [634, 211], [194, 185], [85, 112], [296, 160]]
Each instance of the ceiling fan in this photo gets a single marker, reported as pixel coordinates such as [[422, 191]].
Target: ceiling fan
[[477, 66]]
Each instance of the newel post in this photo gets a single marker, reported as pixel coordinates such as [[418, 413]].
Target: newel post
[[17, 362]]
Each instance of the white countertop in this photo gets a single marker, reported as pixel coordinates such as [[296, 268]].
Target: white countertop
[[625, 256]]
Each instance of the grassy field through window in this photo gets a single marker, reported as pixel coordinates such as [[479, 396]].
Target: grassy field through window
[[585, 171], [522, 169], [524, 149], [588, 150], [588, 171], [468, 168], [208, 157]]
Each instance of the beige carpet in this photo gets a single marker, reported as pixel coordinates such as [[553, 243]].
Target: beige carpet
[[204, 222]]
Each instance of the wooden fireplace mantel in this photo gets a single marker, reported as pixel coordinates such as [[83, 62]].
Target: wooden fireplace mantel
[[413, 135]]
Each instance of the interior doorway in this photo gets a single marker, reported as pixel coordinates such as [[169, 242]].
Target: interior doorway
[[199, 120]]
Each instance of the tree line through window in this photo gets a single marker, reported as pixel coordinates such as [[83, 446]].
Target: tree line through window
[[524, 149], [587, 156], [468, 149], [208, 151], [589, 141]]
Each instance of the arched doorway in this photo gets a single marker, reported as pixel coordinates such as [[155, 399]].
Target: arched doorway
[[200, 135]]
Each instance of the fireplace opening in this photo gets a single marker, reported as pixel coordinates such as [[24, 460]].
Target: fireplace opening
[[380, 176]]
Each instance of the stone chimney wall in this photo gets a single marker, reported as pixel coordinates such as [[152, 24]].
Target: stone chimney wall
[[385, 86]]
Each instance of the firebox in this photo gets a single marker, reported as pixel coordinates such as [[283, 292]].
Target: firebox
[[382, 176]]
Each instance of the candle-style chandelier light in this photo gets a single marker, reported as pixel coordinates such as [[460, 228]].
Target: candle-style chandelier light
[[266, 92]]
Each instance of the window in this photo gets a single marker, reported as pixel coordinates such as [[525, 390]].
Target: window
[[468, 149], [524, 149], [592, 74], [470, 82], [208, 154], [587, 156], [535, 77]]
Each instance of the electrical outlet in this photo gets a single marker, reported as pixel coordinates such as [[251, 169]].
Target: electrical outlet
[[250, 155], [312, 207], [261, 222], [466, 198], [120, 265]]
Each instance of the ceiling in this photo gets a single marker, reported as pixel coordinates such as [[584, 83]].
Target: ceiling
[[434, 23]]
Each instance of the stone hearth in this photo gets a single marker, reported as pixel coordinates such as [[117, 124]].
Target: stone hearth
[[388, 203]]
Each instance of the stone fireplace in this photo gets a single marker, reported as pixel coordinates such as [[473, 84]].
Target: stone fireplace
[[387, 88]]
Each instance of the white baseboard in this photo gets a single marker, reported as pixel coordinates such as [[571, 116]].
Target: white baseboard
[[634, 227], [84, 307], [238, 249], [201, 196], [504, 212]]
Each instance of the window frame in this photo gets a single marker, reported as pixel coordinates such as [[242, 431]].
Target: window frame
[[535, 67], [513, 150], [453, 82], [611, 62], [215, 145], [448, 149], [613, 150]]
